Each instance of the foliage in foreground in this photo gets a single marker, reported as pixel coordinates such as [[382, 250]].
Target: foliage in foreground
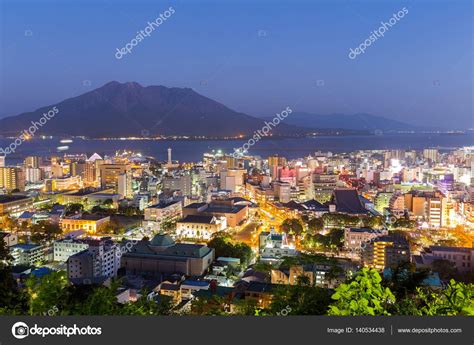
[[366, 295]]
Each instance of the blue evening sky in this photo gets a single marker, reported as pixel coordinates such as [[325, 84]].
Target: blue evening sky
[[254, 56]]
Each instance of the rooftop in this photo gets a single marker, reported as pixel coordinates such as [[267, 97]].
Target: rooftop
[[10, 198], [26, 246], [164, 205], [451, 249], [162, 240], [197, 219], [347, 201]]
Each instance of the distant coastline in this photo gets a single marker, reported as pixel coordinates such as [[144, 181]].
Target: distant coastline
[[187, 150]]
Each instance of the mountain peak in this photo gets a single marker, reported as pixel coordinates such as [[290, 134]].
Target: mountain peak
[[128, 109], [115, 84]]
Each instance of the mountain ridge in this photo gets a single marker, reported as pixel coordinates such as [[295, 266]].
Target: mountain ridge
[[132, 110], [129, 109], [357, 121]]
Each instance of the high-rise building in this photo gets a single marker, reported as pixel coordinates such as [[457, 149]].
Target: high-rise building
[[181, 184], [78, 169], [276, 160], [109, 174], [324, 185], [125, 185], [12, 178], [431, 155], [33, 175], [90, 174], [32, 162]]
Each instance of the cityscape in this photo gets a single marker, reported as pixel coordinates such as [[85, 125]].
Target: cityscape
[[261, 172], [235, 234]]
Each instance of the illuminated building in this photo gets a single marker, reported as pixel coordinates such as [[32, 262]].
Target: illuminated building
[[109, 174], [397, 204], [10, 239], [12, 178], [28, 254], [233, 212], [94, 264], [354, 238], [64, 248], [282, 191], [274, 247], [78, 169], [32, 162], [385, 251], [90, 223], [59, 184], [90, 198], [324, 185], [14, 204], [200, 227], [91, 177], [276, 160], [431, 155], [33, 175], [428, 205], [316, 273], [233, 179], [162, 212], [180, 184], [124, 185]]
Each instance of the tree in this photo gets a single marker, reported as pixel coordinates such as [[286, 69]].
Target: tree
[[223, 246], [364, 295], [404, 279], [102, 301], [456, 299], [300, 299], [169, 225], [74, 208], [245, 307], [315, 225], [146, 307], [372, 222], [45, 230], [108, 203], [336, 238], [333, 240], [209, 305], [12, 301], [340, 220], [47, 292], [403, 223], [291, 226], [445, 268], [9, 223]]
